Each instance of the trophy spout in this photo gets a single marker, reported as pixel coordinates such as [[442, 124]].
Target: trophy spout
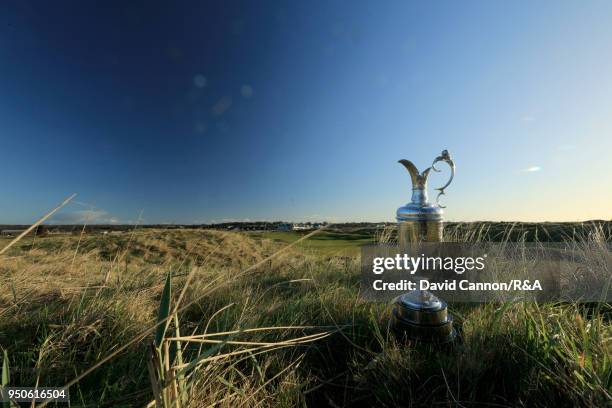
[[419, 180]]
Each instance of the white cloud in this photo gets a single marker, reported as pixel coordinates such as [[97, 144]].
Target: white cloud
[[316, 217], [235, 220], [531, 169], [84, 217]]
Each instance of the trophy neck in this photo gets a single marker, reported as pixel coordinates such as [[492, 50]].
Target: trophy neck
[[419, 196]]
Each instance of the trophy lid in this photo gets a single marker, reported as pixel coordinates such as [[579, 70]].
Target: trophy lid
[[422, 300]]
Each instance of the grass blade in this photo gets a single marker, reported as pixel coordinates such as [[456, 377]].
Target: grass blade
[[164, 311], [6, 379], [5, 370]]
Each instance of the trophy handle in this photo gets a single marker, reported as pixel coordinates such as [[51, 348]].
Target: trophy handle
[[444, 157]]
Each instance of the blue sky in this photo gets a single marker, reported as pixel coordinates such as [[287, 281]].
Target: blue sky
[[202, 112]]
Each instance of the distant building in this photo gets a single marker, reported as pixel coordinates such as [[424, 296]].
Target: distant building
[[284, 227], [302, 227], [10, 233], [41, 230]]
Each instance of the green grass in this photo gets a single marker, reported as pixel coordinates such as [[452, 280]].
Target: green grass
[[324, 243]]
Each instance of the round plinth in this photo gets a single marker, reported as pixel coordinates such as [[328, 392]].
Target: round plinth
[[420, 315]]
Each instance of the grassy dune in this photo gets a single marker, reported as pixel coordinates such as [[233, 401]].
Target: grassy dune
[[68, 302]]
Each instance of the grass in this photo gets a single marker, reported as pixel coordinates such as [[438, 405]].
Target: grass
[[68, 302], [325, 242]]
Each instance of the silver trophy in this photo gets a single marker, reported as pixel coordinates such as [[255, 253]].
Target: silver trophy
[[420, 315]]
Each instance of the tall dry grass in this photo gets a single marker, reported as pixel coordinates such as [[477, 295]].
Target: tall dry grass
[[290, 331]]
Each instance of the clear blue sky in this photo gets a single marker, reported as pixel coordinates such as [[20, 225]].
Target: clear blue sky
[[197, 112]]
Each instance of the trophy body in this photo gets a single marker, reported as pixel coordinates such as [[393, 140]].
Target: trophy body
[[414, 231], [419, 221]]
